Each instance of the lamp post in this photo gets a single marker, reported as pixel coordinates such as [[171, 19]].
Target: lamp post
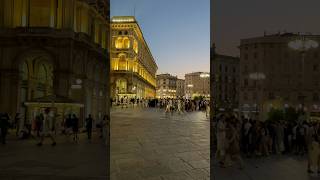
[[257, 76], [302, 45]]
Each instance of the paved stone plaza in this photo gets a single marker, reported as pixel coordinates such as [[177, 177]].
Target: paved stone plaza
[[147, 144], [23, 160], [270, 168]]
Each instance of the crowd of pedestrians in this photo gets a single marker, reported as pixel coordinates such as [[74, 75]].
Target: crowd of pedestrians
[[237, 137], [45, 125], [170, 105], [181, 105]]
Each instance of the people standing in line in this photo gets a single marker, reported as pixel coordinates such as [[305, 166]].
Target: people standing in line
[[4, 125], [89, 122], [47, 129], [75, 127]]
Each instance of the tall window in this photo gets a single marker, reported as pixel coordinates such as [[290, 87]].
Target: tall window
[[135, 46], [41, 13], [126, 43], [122, 63]]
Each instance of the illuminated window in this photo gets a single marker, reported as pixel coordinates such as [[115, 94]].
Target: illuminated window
[[119, 43], [121, 86], [41, 14], [135, 46], [122, 63], [126, 43]]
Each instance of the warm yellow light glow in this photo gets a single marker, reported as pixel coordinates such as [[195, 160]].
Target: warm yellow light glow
[[123, 19], [135, 46]]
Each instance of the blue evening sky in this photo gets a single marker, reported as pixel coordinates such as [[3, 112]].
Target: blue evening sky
[[177, 32]]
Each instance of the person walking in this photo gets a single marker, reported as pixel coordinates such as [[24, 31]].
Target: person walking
[[179, 106], [207, 108], [233, 138], [17, 121], [4, 125], [67, 125], [75, 127], [47, 129], [39, 123], [89, 122], [221, 141], [313, 155]]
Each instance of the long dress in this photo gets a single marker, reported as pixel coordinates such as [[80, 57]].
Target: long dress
[[221, 139]]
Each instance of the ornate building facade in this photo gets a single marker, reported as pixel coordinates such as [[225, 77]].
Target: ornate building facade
[[166, 86], [133, 68], [226, 82], [197, 84], [54, 53], [286, 80], [181, 88]]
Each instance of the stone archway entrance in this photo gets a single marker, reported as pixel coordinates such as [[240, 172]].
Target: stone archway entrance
[[35, 80]]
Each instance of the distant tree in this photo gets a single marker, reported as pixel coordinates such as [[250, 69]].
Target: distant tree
[[290, 114], [275, 115]]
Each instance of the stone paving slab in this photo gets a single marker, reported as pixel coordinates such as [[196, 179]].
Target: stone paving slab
[[153, 145], [270, 168], [22, 159]]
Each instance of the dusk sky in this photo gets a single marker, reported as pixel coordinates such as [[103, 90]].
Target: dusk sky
[[177, 32], [237, 19]]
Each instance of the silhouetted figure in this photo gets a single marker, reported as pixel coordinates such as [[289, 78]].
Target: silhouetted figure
[[47, 127], [75, 127], [4, 125], [89, 121]]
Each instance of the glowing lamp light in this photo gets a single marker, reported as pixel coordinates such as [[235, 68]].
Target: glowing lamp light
[[190, 85], [303, 45], [257, 76], [204, 75], [123, 19]]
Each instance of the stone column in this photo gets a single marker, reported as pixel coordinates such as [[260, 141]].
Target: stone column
[[9, 91]]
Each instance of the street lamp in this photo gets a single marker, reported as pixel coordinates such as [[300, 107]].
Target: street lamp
[[257, 76], [302, 45]]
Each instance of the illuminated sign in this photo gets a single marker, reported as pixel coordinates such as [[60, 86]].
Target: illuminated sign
[[123, 19]]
